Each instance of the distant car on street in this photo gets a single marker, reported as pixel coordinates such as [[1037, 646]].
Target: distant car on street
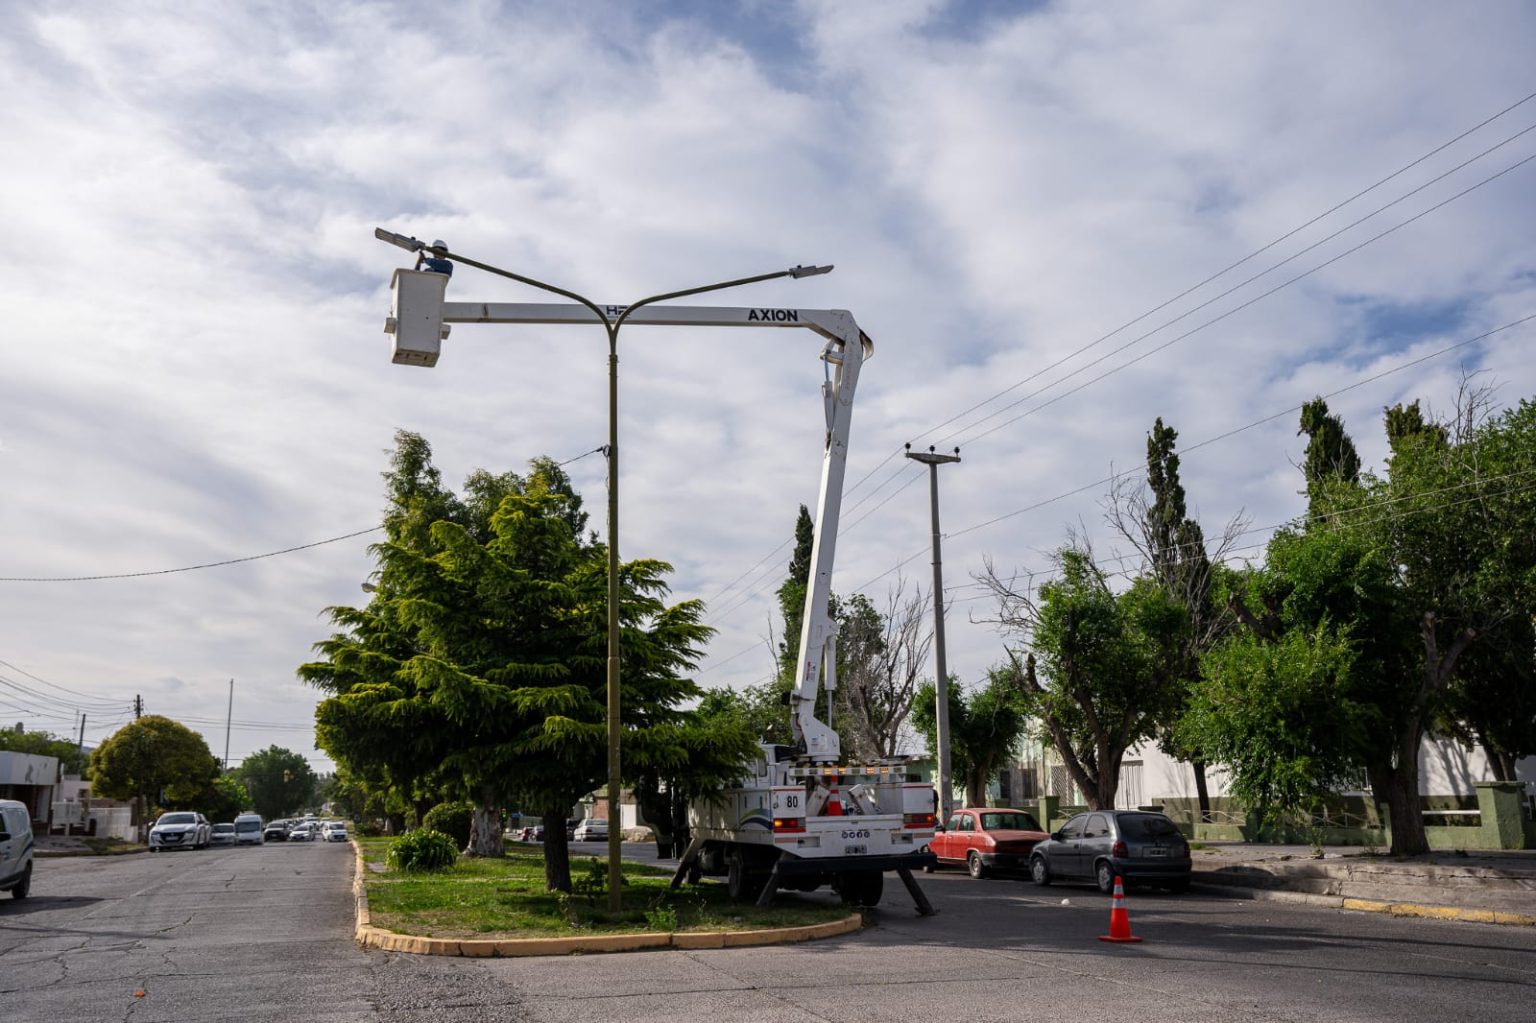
[[591, 830], [303, 832], [336, 831], [531, 833], [277, 831], [17, 846], [180, 829], [985, 839], [1142, 847], [222, 834]]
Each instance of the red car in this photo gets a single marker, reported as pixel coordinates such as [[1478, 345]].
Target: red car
[[987, 839]]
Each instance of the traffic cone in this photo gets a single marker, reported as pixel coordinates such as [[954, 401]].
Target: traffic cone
[[834, 807], [1119, 919]]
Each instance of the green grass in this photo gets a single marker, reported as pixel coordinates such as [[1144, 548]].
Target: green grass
[[480, 898]]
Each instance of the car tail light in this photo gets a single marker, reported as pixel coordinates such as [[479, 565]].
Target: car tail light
[[1119, 850], [789, 825], [917, 820]]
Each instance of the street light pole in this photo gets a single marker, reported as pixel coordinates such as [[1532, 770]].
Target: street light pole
[[612, 318], [941, 681]]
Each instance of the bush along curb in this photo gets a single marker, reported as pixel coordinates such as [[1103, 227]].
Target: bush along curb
[[375, 937]]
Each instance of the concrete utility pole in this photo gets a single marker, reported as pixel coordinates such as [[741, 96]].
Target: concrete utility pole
[[228, 719], [941, 681], [138, 707]]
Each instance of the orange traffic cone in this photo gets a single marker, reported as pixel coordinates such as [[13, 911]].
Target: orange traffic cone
[[1119, 919], [834, 807]]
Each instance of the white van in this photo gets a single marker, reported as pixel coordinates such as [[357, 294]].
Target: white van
[[15, 848], [248, 829]]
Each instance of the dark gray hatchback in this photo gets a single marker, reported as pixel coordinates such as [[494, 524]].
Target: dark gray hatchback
[[1139, 846]]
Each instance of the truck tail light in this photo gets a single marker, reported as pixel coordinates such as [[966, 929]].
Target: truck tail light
[[917, 820], [789, 825], [1119, 850]]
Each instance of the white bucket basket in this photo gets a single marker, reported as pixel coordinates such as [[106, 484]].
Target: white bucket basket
[[416, 316]]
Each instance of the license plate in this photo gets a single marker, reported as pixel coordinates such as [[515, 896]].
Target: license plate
[[856, 850], [1155, 852]]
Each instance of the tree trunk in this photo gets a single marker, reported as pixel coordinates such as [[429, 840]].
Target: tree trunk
[[1501, 764], [976, 789], [1202, 790], [485, 838], [557, 854], [1404, 811]]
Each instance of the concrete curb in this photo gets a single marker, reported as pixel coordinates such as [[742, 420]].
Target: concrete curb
[[59, 854], [375, 937], [1406, 909]]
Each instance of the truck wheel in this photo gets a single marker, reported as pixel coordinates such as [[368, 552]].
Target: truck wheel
[[977, 868], [861, 888], [24, 885], [738, 881]]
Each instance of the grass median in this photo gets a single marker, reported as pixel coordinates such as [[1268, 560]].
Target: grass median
[[506, 898]]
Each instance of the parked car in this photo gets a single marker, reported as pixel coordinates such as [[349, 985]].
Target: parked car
[[277, 831], [591, 830], [302, 832], [570, 828], [985, 839], [336, 831], [248, 830], [1139, 846], [180, 829], [16, 847], [222, 834]]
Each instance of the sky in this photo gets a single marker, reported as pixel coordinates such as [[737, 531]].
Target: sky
[[1057, 222]]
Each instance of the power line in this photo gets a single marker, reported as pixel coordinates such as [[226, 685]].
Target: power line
[[212, 564], [1220, 273]]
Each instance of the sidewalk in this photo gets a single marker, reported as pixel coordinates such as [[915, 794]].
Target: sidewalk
[[1497, 887]]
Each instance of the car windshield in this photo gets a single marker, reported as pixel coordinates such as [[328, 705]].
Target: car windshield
[[248, 825], [1146, 825], [1008, 822], [177, 818]]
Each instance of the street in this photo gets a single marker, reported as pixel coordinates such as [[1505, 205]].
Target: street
[[265, 934]]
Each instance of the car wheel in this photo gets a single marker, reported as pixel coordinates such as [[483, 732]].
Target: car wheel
[[24, 886], [1104, 873], [977, 868], [1039, 872], [929, 868]]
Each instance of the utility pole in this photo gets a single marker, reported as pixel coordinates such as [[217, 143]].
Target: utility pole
[[138, 707], [228, 719], [80, 750], [941, 681]]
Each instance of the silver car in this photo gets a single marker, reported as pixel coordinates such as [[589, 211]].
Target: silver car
[[1139, 846]]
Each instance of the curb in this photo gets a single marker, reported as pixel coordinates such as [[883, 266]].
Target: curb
[[376, 937], [1403, 909], [61, 854]]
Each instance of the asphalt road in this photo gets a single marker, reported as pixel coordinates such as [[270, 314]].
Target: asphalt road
[[264, 934]]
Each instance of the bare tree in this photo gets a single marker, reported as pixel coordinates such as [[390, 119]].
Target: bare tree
[[881, 656]]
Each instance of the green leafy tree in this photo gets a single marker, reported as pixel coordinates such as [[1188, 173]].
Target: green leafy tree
[[45, 744], [228, 799], [1331, 457], [486, 643], [280, 781], [156, 760], [1103, 667], [985, 727]]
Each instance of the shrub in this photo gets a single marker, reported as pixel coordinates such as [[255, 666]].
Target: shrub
[[452, 819], [423, 850]]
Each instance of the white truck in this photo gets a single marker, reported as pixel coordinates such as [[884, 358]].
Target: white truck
[[800, 817]]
